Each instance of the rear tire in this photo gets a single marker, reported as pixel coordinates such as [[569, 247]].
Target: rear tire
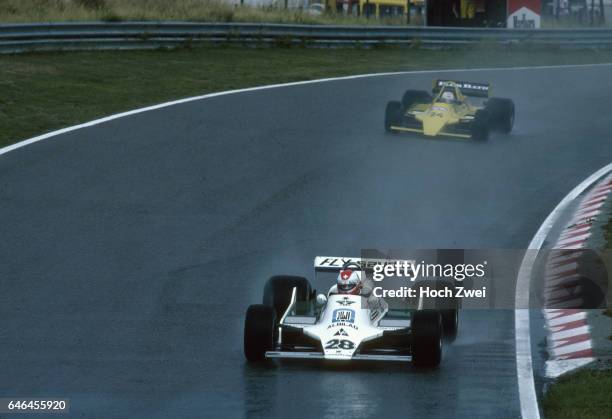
[[426, 328], [259, 325], [278, 289], [480, 126], [393, 114], [501, 112], [415, 96]]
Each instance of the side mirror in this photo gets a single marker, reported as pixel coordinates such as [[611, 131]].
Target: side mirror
[[321, 300]]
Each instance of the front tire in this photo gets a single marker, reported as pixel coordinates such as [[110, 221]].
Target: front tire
[[278, 289], [448, 307], [480, 126], [393, 114], [259, 325], [450, 323], [449, 310], [501, 112], [426, 328]]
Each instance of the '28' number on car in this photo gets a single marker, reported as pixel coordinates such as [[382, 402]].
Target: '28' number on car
[[339, 344]]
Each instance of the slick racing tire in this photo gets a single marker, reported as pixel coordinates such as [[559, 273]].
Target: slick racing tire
[[259, 326], [501, 112], [448, 307], [450, 323], [278, 289], [480, 126], [449, 310], [415, 96], [393, 114], [426, 328]]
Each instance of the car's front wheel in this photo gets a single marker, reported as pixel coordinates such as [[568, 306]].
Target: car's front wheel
[[480, 125], [393, 114], [278, 290], [501, 112], [426, 328], [450, 323], [449, 310], [259, 327], [445, 303]]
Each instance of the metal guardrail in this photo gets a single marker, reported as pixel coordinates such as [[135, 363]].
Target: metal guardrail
[[16, 38]]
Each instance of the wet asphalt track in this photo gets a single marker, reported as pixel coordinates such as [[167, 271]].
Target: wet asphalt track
[[130, 250]]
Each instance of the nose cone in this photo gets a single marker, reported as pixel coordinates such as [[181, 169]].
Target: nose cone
[[341, 336], [435, 118], [344, 324]]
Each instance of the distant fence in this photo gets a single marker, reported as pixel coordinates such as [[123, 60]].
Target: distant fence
[[16, 38]]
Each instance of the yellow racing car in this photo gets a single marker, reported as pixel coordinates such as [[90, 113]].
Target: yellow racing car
[[447, 111]]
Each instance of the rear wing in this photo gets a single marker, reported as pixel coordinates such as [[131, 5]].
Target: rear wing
[[336, 263], [466, 87]]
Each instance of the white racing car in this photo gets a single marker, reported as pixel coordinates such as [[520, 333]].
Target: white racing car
[[295, 322]]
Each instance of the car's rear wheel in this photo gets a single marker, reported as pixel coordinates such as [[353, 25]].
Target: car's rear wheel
[[278, 289], [259, 327], [411, 97], [480, 125], [393, 114], [501, 112], [426, 328]]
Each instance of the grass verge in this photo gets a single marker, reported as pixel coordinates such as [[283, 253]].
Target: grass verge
[[16, 11], [40, 92], [585, 394]]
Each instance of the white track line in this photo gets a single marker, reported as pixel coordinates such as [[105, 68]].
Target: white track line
[[272, 86], [524, 363], [524, 367]]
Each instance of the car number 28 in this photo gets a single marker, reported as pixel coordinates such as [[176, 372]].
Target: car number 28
[[339, 344]]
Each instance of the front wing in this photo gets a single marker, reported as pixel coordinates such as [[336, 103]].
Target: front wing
[[443, 133], [319, 355], [410, 124]]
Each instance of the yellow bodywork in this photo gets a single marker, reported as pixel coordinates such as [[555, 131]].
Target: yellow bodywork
[[439, 116]]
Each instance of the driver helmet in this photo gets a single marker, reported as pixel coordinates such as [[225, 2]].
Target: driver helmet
[[448, 96], [349, 281]]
